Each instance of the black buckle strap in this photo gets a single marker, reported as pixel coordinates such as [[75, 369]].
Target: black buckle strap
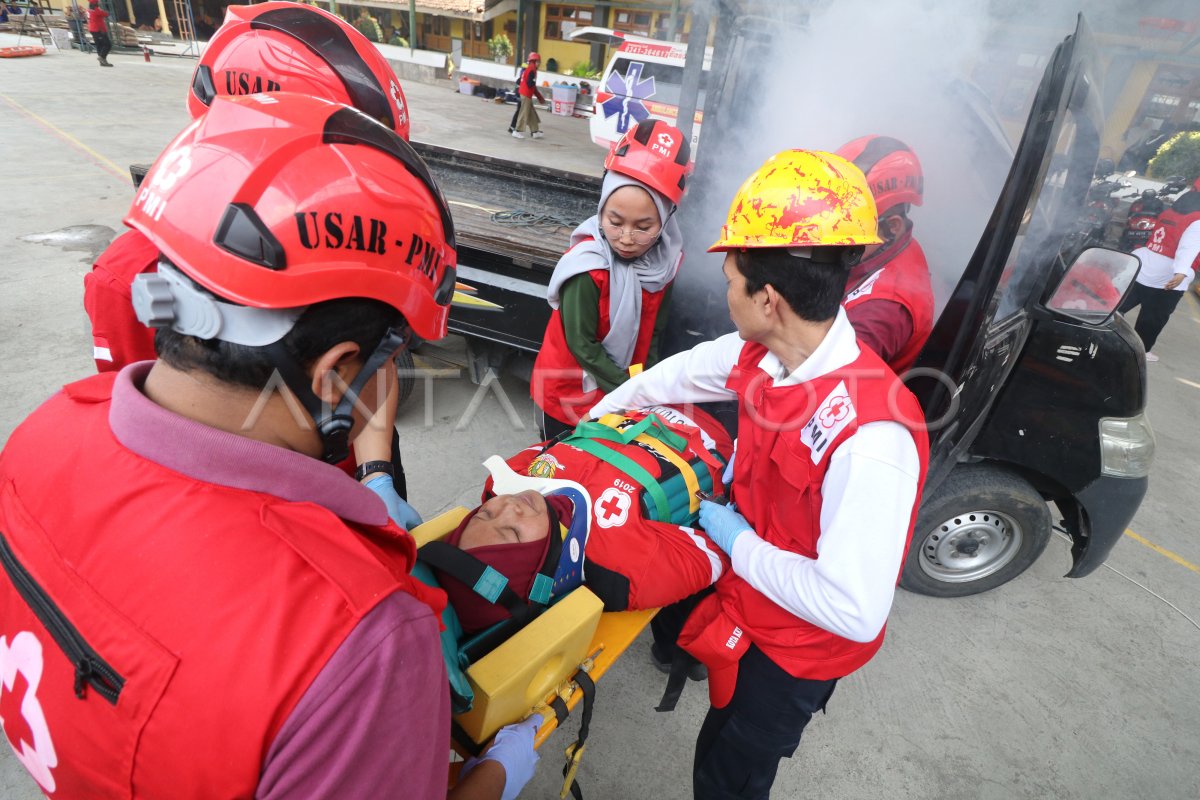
[[676, 680], [588, 687]]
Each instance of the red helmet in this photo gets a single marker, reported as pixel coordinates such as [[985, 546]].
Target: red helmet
[[655, 153], [892, 169], [284, 46], [533, 56], [284, 200]]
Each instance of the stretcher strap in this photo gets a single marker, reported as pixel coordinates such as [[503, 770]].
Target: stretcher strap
[[676, 680], [575, 751], [681, 464], [486, 582], [631, 468]]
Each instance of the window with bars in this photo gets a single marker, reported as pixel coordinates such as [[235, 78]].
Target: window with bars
[[561, 20], [631, 20]]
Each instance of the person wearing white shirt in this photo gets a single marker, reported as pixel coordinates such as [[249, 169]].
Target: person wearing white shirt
[[831, 457], [1168, 266]]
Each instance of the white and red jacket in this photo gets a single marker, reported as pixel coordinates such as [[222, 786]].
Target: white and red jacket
[[831, 460], [213, 607], [1174, 245], [557, 386], [899, 275], [633, 561]]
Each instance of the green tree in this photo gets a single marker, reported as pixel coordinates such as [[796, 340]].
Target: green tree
[[1179, 155]]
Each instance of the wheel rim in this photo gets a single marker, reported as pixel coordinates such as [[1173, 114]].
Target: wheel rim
[[970, 546]]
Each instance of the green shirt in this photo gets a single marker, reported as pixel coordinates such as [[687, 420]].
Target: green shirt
[[579, 307]]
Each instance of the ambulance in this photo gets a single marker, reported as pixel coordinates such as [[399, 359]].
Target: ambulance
[[643, 80]]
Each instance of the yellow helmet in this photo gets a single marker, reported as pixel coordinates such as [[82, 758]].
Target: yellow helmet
[[801, 198]]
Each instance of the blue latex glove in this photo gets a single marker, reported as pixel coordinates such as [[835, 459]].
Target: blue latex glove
[[722, 524], [513, 750], [727, 476], [401, 512]]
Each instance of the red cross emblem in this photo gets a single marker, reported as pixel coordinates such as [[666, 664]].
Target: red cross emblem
[[612, 509], [835, 411]]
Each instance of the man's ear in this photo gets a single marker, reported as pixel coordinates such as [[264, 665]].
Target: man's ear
[[894, 225], [770, 299], [331, 373]]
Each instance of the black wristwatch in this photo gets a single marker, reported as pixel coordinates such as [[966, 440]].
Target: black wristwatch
[[374, 466]]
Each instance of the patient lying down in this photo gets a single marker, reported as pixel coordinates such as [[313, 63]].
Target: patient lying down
[[631, 502]]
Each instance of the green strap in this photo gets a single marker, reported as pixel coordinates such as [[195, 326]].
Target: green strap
[[650, 425], [627, 466]]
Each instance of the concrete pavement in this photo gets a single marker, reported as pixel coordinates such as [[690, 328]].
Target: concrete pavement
[[1045, 688]]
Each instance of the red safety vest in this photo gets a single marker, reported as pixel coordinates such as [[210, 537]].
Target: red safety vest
[[214, 608], [1164, 239], [786, 438], [118, 337], [557, 384], [902, 277], [661, 562]]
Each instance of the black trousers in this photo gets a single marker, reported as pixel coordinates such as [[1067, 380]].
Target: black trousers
[[103, 44], [1157, 307], [739, 746], [550, 427]]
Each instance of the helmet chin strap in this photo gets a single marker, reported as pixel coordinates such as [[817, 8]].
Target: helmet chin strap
[[333, 425]]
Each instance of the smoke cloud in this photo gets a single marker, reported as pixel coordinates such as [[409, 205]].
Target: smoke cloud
[[816, 79]]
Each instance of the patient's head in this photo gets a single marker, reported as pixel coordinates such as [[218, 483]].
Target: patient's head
[[510, 533], [506, 519]]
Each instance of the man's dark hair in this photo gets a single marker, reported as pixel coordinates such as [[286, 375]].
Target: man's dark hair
[[319, 328], [813, 289]]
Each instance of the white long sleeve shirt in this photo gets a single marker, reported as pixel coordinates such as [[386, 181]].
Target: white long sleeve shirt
[[1157, 269], [867, 494]]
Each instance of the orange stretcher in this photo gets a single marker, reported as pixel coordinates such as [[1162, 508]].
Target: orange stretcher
[[21, 51]]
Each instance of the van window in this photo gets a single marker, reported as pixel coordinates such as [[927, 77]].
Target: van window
[[1049, 234], [668, 81]]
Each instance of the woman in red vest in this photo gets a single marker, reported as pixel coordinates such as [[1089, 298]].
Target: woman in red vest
[[610, 291]]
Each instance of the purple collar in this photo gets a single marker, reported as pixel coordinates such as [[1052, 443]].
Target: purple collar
[[226, 459]]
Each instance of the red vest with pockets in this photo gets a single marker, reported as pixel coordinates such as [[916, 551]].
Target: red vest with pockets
[[903, 279], [786, 436], [1164, 239], [216, 606], [557, 385]]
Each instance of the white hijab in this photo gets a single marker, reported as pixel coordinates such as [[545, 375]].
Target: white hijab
[[653, 270]]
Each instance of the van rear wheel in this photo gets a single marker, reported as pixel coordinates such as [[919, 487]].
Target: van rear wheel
[[980, 529], [406, 374]]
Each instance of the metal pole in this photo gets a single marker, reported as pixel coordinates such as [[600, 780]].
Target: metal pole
[[693, 65], [673, 22], [519, 58], [412, 26]]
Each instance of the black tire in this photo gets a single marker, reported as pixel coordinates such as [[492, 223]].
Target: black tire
[[980, 529], [406, 372]]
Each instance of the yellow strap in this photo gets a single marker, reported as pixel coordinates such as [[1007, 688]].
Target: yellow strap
[[635, 369], [685, 469]]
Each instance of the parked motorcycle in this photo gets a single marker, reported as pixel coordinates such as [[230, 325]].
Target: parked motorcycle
[[1143, 213], [1143, 216]]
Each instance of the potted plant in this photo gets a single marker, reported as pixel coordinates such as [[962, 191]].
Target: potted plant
[[500, 47]]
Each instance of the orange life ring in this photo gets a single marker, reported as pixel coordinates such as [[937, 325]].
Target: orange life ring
[[21, 51]]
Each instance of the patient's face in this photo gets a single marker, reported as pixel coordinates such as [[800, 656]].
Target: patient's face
[[508, 519]]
